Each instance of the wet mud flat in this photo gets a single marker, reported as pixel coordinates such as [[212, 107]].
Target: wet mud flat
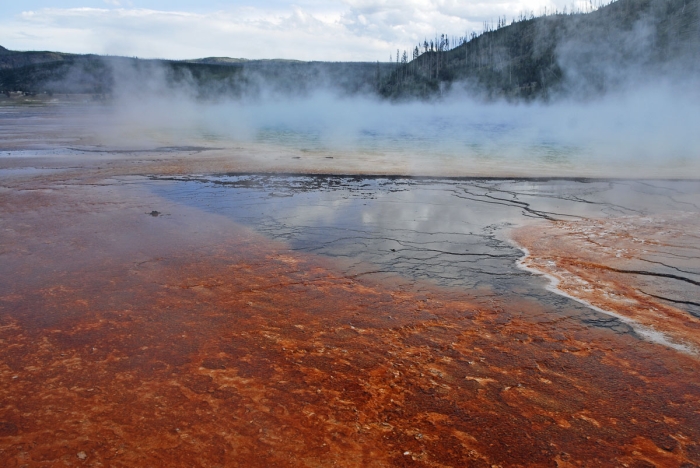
[[472, 233], [180, 320]]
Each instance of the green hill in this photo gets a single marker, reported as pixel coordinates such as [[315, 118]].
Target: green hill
[[583, 53], [39, 72], [10, 59]]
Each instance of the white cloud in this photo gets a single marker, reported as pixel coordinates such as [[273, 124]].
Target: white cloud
[[412, 20], [345, 30]]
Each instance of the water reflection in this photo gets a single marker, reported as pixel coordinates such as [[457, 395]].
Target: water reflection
[[451, 232], [447, 231]]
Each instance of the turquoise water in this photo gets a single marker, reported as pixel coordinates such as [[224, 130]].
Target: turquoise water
[[648, 135]]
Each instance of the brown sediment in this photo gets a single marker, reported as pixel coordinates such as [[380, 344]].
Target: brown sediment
[[184, 339], [624, 265]]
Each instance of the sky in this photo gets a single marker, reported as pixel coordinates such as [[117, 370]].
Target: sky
[[333, 30]]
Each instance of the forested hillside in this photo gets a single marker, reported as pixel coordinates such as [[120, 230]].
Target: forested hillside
[[561, 53], [36, 72]]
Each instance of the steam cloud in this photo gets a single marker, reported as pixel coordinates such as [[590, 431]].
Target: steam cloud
[[646, 127]]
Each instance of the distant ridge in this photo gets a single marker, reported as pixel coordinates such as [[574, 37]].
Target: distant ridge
[[216, 60], [207, 78], [237, 61], [10, 59]]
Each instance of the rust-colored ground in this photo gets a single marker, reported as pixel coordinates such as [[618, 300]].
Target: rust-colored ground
[[186, 340], [596, 259]]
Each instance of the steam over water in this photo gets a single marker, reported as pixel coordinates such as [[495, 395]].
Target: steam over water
[[647, 133]]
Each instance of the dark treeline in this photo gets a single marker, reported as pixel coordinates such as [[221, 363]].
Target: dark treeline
[[210, 78], [582, 53], [559, 53]]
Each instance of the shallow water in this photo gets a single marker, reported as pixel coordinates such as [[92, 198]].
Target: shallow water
[[629, 136], [453, 233], [636, 135]]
